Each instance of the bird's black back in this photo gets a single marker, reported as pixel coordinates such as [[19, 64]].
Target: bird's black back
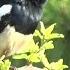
[[24, 15]]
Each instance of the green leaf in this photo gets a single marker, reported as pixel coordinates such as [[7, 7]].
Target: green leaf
[[20, 56], [5, 65], [34, 57], [58, 65], [48, 45], [44, 59], [43, 30], [50, 29], [36, 33], [54, 35], [35, 48]]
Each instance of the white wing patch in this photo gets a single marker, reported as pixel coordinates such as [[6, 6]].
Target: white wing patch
[[5, 9]]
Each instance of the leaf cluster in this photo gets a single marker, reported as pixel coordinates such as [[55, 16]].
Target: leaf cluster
[[37, 50]]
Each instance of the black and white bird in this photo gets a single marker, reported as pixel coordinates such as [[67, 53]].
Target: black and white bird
[[24, 15]]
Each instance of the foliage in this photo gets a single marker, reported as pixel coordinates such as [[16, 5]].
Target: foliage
[[58, 11], [4, 64], [37, 51], [34, 52]]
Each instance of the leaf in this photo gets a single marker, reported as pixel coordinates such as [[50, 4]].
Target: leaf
[[50, 29], [34, 57], [34, 48], [5, 65], [43, 59], [37, 33], [42, 28], [20, 56], [58, 65], [48, 45], [54, 35]]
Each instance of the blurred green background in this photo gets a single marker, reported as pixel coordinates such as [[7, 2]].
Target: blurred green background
[[58, 11]]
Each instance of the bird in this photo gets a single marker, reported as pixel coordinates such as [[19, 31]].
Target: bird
[[24, 15]]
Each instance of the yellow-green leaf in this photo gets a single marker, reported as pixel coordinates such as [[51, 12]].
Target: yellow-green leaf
[[20, 56], [34, 57], [54, 35], [48, 45], [44, 59], [58, 65], [50, 29], [42, 28]]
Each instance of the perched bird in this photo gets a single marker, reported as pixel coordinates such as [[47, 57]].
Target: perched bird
[[24, 15]]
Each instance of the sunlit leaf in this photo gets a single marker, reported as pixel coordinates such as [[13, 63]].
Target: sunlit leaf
[[35, 48], [54, 35], [58, 65], [50, 29], [5, 65], [48, 45], [34, 57], [20, 56], [44, 59], [42, 28], [37, 33]]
